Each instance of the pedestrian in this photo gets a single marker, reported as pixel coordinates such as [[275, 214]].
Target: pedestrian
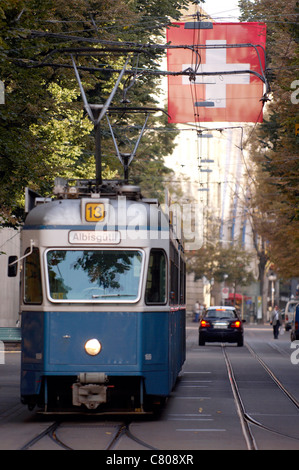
[[276, 321], [196, 311]]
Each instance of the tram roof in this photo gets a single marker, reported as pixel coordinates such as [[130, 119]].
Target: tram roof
[[118, 212], [123, 205]]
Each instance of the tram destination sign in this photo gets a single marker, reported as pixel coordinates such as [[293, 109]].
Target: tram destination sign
[[89, 237]]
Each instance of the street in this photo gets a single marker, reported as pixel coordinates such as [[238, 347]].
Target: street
[[202, 412]]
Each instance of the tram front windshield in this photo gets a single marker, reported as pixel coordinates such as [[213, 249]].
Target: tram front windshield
[[94, 275]]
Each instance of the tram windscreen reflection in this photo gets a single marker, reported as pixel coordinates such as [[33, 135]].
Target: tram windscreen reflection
[[94, 275]]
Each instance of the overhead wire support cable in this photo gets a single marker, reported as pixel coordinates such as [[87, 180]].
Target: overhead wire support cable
[[147, 71], [113, 46]]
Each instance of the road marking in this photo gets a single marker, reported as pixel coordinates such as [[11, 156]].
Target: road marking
[[196, 372], [190, 419], [201, 430], [196, 381], [188, 414], [194, 398], [192, 386]]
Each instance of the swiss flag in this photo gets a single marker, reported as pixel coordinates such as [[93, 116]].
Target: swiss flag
[[231, 97]]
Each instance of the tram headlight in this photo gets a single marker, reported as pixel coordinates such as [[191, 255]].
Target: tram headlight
[[92, 347]]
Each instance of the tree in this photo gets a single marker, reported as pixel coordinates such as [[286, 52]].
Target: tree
[[213, 261], [273, 145], [44, 131]]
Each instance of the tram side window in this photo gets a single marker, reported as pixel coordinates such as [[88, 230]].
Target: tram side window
[[177, 276], [32, 278], [183, 283], [174, 275], [156, 278]]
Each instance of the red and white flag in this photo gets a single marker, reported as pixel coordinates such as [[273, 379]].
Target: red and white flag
[[231, 97]]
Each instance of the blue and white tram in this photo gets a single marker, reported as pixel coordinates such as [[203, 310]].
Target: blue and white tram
[[102, 302]]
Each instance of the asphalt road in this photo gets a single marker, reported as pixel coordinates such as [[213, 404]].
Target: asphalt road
[[218, 386]]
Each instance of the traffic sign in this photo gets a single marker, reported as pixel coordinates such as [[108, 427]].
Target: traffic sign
[[225, 292]]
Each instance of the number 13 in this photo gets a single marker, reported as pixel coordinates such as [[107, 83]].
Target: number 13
[[94, 212]]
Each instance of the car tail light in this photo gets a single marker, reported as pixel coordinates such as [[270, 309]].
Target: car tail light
[[236, 324], [204, 323], [296, 325]]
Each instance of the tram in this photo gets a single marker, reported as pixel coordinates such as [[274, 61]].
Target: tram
[[102, 300]]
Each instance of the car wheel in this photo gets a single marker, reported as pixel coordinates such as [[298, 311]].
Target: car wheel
[[201, 341], [240, 342]]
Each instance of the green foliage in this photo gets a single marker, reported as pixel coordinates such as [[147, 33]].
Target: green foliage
[[44, 131], [214, 261], [274, 144]]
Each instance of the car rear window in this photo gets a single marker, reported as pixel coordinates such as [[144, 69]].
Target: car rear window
[[221, 313]]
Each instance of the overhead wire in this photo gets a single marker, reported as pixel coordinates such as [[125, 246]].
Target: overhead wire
[[194, 88], [197, 62]]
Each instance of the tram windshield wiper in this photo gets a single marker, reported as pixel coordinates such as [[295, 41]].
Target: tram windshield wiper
[[96, 296]]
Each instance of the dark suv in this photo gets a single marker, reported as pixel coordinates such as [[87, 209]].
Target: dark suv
[[221, 324]]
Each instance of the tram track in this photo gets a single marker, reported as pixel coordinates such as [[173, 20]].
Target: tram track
[[55, 429], [273, 377], [124, 430], [245, 419], [247, 433], [46, 432]]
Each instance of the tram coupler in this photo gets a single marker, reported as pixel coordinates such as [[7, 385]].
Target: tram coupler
[[90, 390]]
